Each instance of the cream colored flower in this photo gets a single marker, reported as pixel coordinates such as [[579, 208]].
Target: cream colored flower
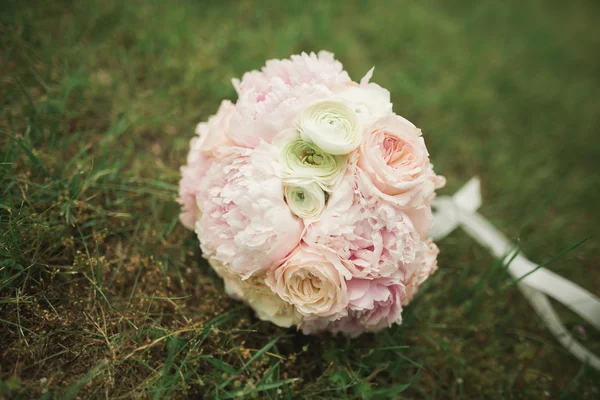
[[302, 162], [394, 157], [268, 305], [312, 283], [306, 201], [253, 291], [331, 125], [369, 100]]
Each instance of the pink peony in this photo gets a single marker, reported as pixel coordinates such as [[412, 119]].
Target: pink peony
[[191, 174], [375, 237], [215, 132], [298, 70], [211, 135], [245, 223], [269, 100], [265, 119], [420, 270], [394, 157]]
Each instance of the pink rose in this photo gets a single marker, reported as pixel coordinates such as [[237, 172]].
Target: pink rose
[[245, 223], [396, 161], [211, 135], [312, 283]]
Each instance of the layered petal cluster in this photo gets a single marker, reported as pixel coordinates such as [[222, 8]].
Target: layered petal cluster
[[245, 224], [373, 305], [312, 199], [374, 236], [210, 136], [269, 100]]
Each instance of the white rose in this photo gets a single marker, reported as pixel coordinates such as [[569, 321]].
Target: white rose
[[306, 201], [369, 100], [331, 125], [233, 283], [268, 305], [312, 283], [253, 291]]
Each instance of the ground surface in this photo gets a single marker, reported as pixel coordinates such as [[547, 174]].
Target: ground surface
[[104, 294]]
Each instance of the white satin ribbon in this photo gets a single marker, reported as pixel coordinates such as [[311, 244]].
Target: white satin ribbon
[[535, 282]]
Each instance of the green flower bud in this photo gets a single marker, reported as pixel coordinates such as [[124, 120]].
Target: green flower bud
[[307, 201]]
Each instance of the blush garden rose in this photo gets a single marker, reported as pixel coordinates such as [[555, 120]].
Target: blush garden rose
[[312, 199], [311, 283]]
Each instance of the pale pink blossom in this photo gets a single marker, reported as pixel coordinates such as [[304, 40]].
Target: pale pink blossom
[[373, 305], [311, 282], [191, 174], [418, 272], [269, 100], [421, 217], [374, 236], [301, 69], [254, 121], [394, 157], [215, 132], [245, 223], [210, 135]]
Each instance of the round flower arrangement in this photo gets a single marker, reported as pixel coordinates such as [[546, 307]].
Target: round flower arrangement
[[312, 199]]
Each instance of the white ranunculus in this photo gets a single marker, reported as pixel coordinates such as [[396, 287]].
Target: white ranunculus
[[302, 163], [306, 201], [331, 125]]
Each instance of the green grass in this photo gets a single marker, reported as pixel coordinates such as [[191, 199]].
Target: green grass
[[103, 294]]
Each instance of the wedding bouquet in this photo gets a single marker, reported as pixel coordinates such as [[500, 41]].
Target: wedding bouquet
[[312, 199]]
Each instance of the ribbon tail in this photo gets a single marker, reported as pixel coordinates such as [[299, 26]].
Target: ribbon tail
[[534, 281], [579, 300], [543, 307]]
